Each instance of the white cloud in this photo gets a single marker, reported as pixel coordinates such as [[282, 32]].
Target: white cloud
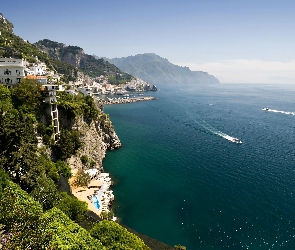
[[247, 71]]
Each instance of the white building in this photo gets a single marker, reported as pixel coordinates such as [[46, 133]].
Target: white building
[[12, 70]]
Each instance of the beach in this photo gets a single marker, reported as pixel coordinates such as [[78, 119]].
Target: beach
[[97, 194]]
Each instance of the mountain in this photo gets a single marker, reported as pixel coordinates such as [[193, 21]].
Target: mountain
[[155, 69], [69, 61], [14, 46], [75, 56]]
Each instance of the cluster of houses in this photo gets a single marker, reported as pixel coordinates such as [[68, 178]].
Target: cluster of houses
[[14, 70], [101, 86]]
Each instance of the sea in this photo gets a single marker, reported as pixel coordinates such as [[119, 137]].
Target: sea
[[179, 177]]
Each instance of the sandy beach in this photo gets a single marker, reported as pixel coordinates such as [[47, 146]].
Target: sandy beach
[[99, 187]]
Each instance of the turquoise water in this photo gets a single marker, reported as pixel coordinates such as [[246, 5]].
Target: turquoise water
[[177, 179]]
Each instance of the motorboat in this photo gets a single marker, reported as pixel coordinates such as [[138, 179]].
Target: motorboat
[[266, 109], [236, 140]]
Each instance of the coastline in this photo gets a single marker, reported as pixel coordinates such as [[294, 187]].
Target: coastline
[[127, 100], [98, 188], [100, 183]]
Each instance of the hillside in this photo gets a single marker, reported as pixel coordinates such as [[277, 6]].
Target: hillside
[[16, 47], [69, 61], [75, 56], [35, 213], [155, 69]]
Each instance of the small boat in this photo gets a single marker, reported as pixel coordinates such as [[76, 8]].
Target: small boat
[[236, 140], [266, 109]]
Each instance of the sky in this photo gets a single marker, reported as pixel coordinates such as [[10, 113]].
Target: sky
[[237, 41]]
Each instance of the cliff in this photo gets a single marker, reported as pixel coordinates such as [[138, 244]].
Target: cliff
[[155, 69], [76, 57], [96, 136]]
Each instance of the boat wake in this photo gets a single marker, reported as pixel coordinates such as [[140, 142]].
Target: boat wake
[[188, 118], [279, 111], [213, 130]]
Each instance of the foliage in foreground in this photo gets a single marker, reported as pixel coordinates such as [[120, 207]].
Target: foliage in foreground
[[114, 236], [68, 235], [72, 207], [34, 214], [21, 216]]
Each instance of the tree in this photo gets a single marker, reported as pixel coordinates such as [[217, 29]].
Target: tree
[[84, 159], [45, 192], [81, 179], [68, 144], [3, 180], [21, 216], [5, 99], [63, 169], [107, 215], [27, 96], [114, 236], [18, 155], [72, 207]]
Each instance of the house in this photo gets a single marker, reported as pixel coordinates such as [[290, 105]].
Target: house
[[71, 92], [12, 70], [41, 79], [86, 90]]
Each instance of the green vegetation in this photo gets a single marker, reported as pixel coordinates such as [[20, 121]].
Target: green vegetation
[[72, 207], [21, 216], [90, 65], [78, 106], [14, 46], [114, 236], [34, 214], [68, 235], [68, 144], [84, 159], [81, 179]]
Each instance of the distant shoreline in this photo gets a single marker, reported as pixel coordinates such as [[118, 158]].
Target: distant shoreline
[[127, 100]]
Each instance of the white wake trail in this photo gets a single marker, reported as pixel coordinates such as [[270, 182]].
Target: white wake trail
[[211, 129], [279, 111]]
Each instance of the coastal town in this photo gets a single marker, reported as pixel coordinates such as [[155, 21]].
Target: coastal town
[[97, 194]]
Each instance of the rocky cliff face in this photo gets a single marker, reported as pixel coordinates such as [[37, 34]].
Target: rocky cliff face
[[74, 55], [97, 138]]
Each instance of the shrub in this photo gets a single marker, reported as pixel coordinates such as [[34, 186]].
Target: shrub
[[84, 159], [68, 144], [81, 179], [21, 216], [63, 169], [68, 235], [72, 207], [114, 236]]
